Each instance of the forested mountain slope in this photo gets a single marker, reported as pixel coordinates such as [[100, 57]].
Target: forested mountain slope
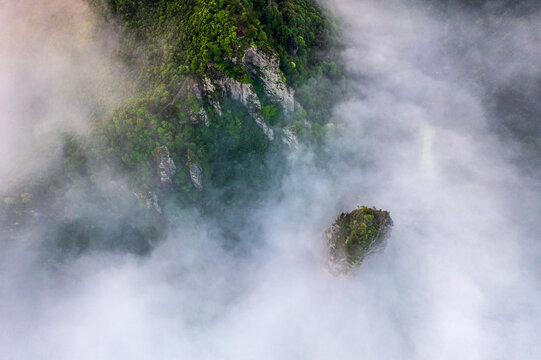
[[224, 91]]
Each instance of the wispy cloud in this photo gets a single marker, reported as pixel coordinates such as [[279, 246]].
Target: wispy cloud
[[458, 279]]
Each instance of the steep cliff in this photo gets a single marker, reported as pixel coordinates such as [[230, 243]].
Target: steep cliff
[[265, 67]]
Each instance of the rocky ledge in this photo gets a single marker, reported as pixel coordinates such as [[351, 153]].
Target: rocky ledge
[[355, 235]]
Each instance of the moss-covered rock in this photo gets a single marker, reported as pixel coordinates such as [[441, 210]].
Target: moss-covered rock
[[354, 235]]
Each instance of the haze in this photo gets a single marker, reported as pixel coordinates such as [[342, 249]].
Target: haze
[[459, 278]]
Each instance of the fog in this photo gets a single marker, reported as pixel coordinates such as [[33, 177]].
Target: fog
[[459, 278], [58, 69]]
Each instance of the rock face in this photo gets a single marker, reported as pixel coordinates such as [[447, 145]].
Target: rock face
[[210, 94], [199, 117], [243, 93], [149, 199], [197, 89], [353, 236], [266, 68], [166, 166], [262, 66], [196, 174], [290, 139]]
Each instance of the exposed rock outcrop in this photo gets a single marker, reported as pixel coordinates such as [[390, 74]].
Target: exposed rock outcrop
[[196, 173], [353, 236], [269, 133], [243, 93], [149, 199], [199, 117], [197, 90], [266, 68], [290, 139], [166, 166], [211, 94]]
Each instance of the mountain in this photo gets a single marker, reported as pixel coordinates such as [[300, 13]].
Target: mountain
[[222, 92]]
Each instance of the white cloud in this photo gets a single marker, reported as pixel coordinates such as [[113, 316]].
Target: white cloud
[[458, 280]]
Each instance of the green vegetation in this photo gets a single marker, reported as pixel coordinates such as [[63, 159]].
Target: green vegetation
[[300, 33], [363, 228], [355, 235], [170, 42], [168, 47], [175, 37]]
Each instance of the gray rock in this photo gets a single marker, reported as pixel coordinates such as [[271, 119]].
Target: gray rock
[[166, 166], [211, 94], [197, 90], [196, 174], [199, 117], [269, 133], [290, 139], [243, 93], [266, 68], [149, 199]]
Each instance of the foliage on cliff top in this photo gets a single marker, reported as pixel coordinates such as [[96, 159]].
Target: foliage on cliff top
[[195, 35], [354, 235], [363, 227]]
